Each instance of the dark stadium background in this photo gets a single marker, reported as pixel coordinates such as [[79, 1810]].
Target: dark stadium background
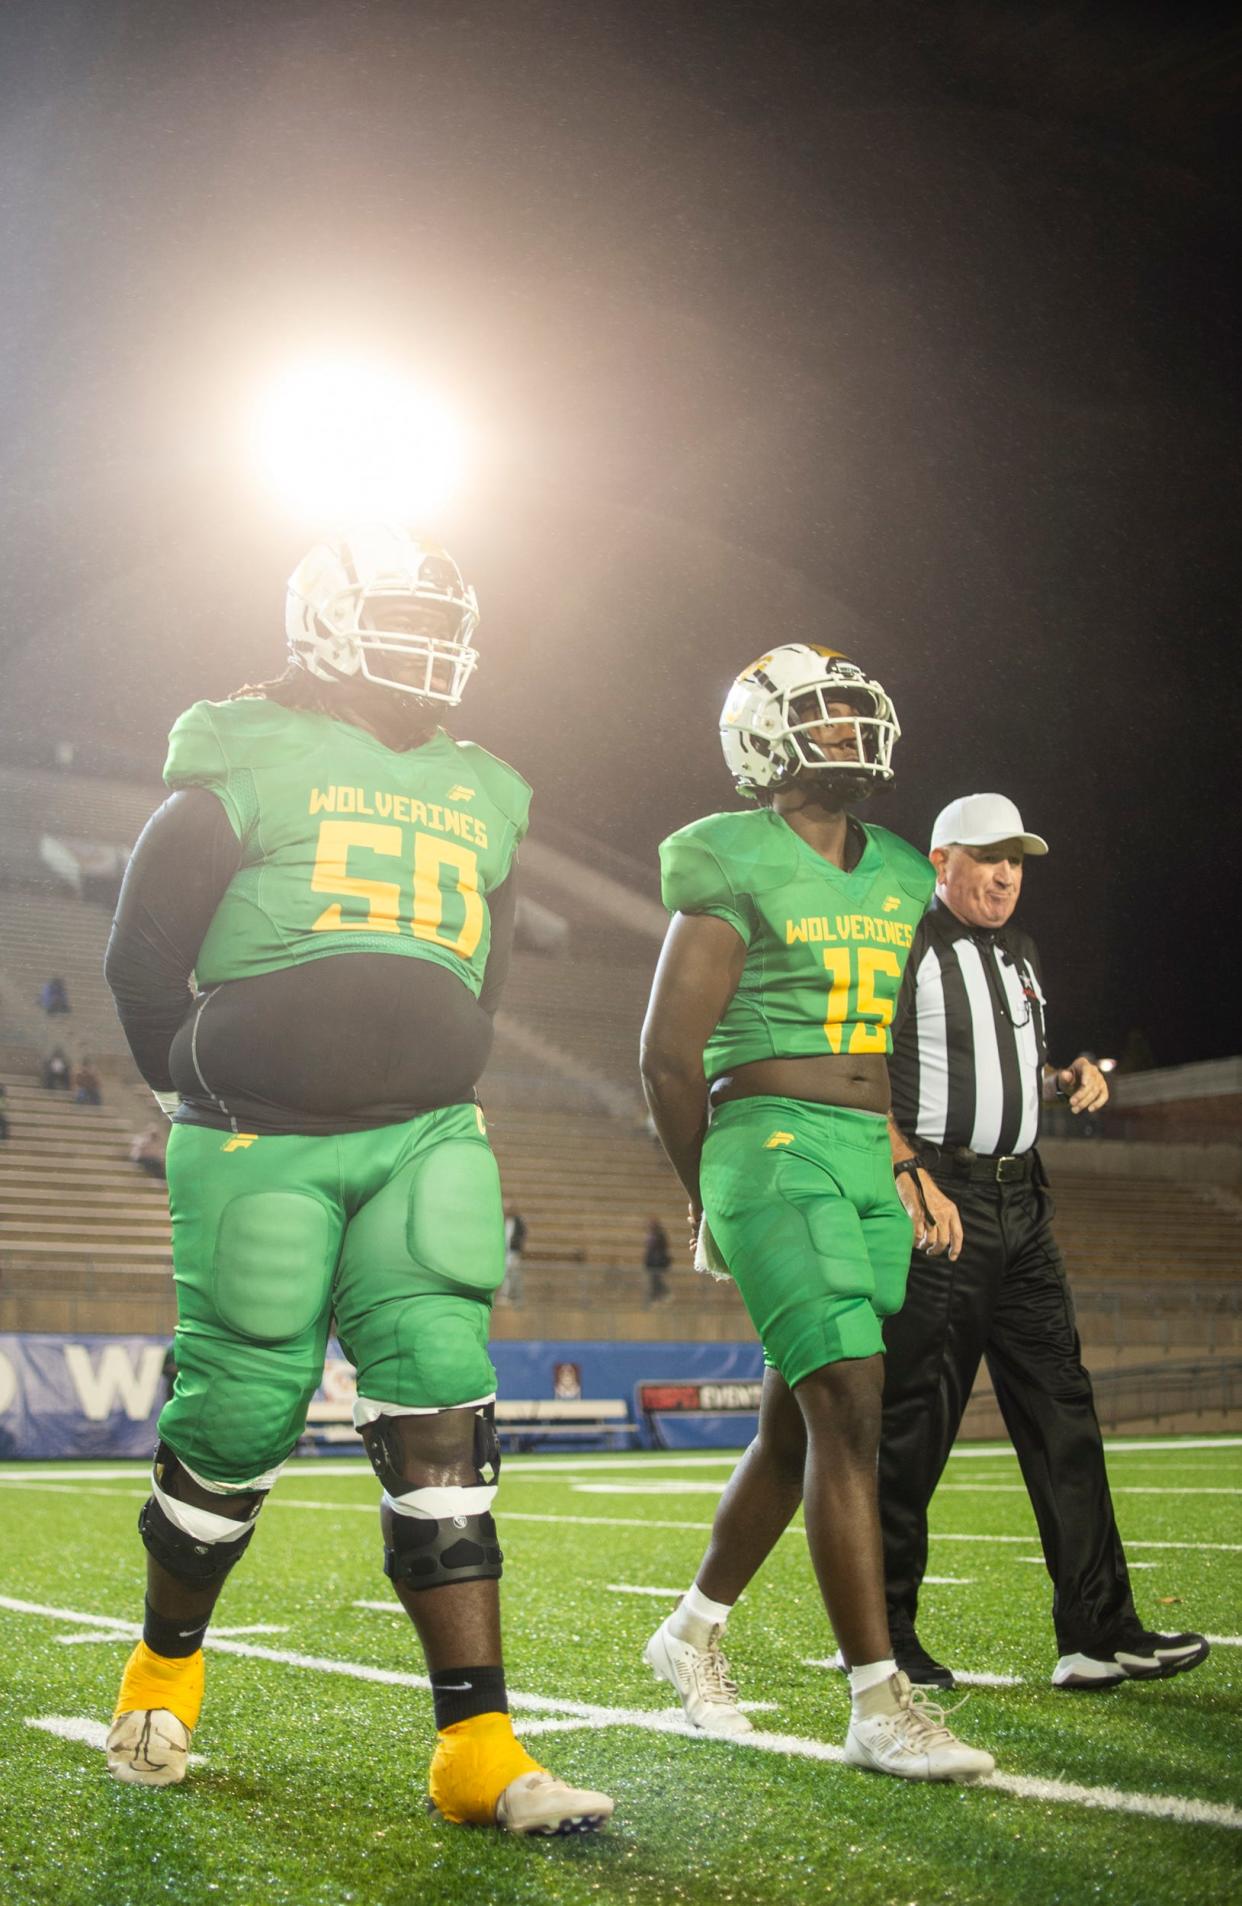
[[907, 328]]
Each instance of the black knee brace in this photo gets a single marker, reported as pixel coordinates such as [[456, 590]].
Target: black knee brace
[[422, 1553], [195, 1563], [408, 1452], [398, 1445]]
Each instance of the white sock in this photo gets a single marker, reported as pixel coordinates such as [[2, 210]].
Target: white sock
[[696, 1615], [870, 1676]]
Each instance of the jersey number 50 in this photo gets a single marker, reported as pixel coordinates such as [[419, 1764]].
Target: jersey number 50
[[433, 858], [873, 1015]]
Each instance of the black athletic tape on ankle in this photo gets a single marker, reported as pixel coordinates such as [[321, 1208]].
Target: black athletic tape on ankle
[[172, 1636]]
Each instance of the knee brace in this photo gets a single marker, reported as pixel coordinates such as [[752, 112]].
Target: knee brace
[[436, 1533], [197, 1546]]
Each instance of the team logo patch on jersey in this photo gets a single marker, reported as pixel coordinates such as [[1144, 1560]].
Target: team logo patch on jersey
[[460, 793], [891, 904], [777, 1139], [239, 1142]]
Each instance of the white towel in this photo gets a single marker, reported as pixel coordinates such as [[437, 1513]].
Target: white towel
[[707, 1256]]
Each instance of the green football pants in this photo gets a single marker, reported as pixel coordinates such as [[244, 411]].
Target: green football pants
[[801, 1202], [398, 1233]]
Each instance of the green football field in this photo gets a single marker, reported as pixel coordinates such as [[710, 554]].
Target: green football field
[[317, 1727]]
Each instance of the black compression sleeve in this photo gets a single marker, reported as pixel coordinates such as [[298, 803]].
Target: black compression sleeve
[[177, 875], [502, 906]]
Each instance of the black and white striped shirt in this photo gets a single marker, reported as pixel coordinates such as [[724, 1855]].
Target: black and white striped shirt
[[968, 1037]]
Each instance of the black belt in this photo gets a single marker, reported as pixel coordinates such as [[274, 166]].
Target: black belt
[[1004, 1168]]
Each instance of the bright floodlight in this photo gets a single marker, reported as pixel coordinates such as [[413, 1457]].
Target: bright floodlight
[[339, 442]]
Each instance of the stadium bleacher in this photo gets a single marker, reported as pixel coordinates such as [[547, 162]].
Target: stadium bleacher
[[84, 1236]]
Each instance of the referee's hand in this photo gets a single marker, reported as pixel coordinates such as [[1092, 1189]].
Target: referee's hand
[[938, 1230]]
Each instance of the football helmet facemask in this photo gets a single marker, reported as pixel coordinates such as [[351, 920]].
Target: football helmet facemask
[[773, 705], [381, 606]]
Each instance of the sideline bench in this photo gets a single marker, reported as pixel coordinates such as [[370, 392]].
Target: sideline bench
[[521, 1423]]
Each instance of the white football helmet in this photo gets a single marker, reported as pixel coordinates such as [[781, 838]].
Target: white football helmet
[[773, 704], [379, 604]]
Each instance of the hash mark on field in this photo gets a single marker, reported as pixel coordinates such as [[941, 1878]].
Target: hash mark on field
[[79, 1727], [949, 1581], [590, 1714]]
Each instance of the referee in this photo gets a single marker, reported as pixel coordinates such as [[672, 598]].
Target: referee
[[968, 1073]]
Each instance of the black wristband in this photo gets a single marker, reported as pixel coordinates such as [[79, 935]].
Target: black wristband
[[912, 1166]]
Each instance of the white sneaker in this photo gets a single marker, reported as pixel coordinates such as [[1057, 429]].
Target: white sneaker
[[540, 1803], [148, 1746], [1142, 1656], [895, 1729], [707, 1691]]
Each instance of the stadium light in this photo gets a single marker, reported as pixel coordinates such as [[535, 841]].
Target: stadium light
[[345, 441]]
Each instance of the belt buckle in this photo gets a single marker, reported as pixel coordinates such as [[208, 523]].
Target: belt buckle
[[1004, 1176]]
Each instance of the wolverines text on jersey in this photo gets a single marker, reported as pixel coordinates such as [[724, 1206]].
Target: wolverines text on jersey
[[825, 949], [348, 845]]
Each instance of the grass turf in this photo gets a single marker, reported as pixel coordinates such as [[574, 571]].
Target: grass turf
[[312, 1785]]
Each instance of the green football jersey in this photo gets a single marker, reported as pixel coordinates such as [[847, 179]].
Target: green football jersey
[[825, 950], [348, 846]]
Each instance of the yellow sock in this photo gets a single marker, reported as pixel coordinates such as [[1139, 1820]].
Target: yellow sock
[[473, 1764], [152, 1680]]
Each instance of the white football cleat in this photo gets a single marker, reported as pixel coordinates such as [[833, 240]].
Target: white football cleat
[[895, 1729], [540, 1803], [148, 1746], [705, 1688]]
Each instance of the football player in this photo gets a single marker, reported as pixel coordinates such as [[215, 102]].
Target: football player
[[763, 1060], [336, 871]]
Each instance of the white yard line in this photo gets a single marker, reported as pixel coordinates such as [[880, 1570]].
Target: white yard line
[[980, 1680], [1224, 1641], [278, 1501], [1019, 1489], [948, 1581], [633, 1588], [350, 1467], [79, 1727], [590, 1714]]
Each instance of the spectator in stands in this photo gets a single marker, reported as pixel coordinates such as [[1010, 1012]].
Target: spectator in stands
[[146, 1150], [510, 1291], [87, 1086], [656, 1260], [56, 1070], [53, 996]]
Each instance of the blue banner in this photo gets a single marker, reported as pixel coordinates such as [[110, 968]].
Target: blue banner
[[80, 1396], [64, 1396]]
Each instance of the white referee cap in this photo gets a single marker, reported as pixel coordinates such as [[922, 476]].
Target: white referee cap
[[981, 820]]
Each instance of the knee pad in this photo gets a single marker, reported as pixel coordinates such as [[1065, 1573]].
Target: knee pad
[[197, 1546], [436, 1533]]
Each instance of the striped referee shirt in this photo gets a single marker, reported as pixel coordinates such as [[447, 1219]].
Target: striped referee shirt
[[968, 1037]]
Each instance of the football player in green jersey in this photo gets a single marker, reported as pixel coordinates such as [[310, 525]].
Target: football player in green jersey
[[337, 873], [764, 1065]]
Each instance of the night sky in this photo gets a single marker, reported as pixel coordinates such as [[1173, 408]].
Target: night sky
[[907, 328]]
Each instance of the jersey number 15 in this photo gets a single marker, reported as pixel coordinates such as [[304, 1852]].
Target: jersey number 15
[[872, 1015]]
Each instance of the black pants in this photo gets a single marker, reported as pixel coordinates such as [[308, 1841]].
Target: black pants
[[1006, 1299]]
